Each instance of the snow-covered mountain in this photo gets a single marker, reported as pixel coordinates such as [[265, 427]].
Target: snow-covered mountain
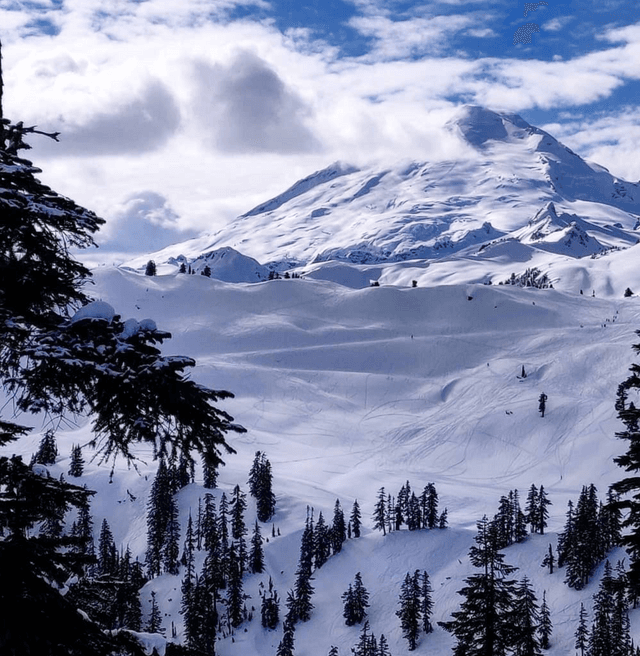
[[517, 183], [348, 390]]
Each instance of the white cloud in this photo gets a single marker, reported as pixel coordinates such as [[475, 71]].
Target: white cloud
[[558, 23]]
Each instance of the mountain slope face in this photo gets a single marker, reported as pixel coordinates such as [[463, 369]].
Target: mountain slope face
[[431, 210]]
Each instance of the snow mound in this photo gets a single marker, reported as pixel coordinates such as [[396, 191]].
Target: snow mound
[[95, 310], [229, 265]]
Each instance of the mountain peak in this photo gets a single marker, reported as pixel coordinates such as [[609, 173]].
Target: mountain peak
[[477, 125]]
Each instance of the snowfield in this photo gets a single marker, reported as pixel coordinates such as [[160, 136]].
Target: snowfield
[[349, 389]]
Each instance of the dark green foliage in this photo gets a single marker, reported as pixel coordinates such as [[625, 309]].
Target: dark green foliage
[[628, 488], [549, 560], [409, 611], [429, 502], [426, 603], [76, 466], [582, 632], [526, 621], [171, 544], [484, 624], [338, 529], [321, 542], [356, 602], [270, 608], [380, 512], [286, 645], [107, 553], [183, 268], [542, 403], [154, 623], [367, 644], [260, 487], [235, 590], [150, 269], [256, 555], [628, 292], [206, 271], [355, 519], [47, 450], [545, 628]]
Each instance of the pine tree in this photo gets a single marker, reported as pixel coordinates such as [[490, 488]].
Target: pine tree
[[383, 647], [542, 404], [183, 268], [303, 589], [483, 625], [154, 625], [107, 554], [356, 519], [545, 628], [150, 269], [526, 616], [270, 609], [543, 513], [235, 589], [286, 645], [171, 543], [582, 632], [260, 487], [409, 611], [566, 539], [47, 450], [256, 555], [206, 271], [159, 510], [549, 560], [321, 542], [356, 601], [602, 640], [532, 509], [380, 512], [442, 521], [187, 557], [426, 603], [76, 466], [338, 529], [333, 651], [429, 502]]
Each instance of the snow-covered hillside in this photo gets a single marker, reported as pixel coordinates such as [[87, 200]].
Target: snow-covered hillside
[[516, 184], [347, 390]]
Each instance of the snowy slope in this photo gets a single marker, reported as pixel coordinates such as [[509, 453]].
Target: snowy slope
[[347, 390], [430, 210]]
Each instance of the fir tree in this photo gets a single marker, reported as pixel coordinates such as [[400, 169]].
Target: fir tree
[[47, 450], [566, 539], [159, 511], [260, 487], [270, 609], [150, 269], [549, 560], [187, 557], [286, 645], [322, 542], [526, 616], [429, 502], [171, 543], [333, 651], [602, 640], [484, 624], [356, 601], [356, 519], [383, 647], [107, 554], [545, 628], [443, 521], [532, 508], [426, 603], [183, 268], [154, 625], [582, 632], [542, 404], [409, 611], [235, 590], [256, 555], [380, 512], [206, 271], [338, 529], [543, 513], [76, 466]]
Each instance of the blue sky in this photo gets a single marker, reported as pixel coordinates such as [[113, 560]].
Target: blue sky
[[177, 116]]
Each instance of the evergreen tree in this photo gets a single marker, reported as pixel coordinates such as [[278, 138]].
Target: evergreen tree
[[602, 641], [549, 560], [484, 624], [442, 521], [338, 529], [545, 628], [159, 511], [543, 513], [107, 553], [88, 365], [154, 625], [429, 502], [171, 543], [413, 516], [76, 466], [238, 527], [526, 616], [356, 602], [260, 487], [270, 609], [47, 450], [532, 509], [566, 539], [206, 271], [321, 542], [183, 268], [187, 557], [582, 632], [383, 647], [150, 269], [286, 645], [409, 611], [333, 651], [380, 512], [235, 590], [256, 555], [542, 404], [356, 519], [83, 530], [426, 603]]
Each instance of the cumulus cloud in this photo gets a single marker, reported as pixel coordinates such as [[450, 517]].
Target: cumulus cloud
[[139, 126], [245, 107], [144, 222]]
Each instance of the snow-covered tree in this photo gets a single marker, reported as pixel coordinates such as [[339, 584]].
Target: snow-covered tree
[[356, 602]]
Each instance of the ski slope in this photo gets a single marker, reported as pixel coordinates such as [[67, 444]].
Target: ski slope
[[347, 390]]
